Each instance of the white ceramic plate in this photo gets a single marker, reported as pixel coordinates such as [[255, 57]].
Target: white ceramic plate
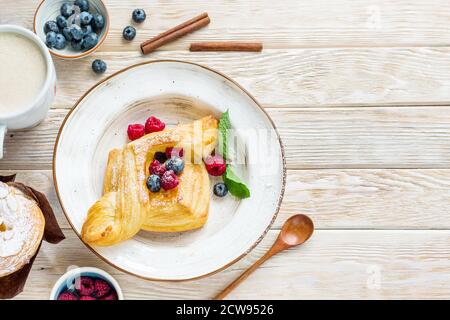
[[176, 92]]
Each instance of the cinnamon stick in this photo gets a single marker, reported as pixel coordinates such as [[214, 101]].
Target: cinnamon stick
[[175, 33], [226, 46]]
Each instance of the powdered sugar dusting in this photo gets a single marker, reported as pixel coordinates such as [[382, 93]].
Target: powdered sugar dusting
[[16, 223], [17, 235]]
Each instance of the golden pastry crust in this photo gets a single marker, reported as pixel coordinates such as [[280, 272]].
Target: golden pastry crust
[[22, 227], [183, 208], [127, 206]]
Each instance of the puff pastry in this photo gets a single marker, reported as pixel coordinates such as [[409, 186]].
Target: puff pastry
[[127, 206], [21, 229]]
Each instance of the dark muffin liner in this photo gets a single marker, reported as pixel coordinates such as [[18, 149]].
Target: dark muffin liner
[[11, 285]]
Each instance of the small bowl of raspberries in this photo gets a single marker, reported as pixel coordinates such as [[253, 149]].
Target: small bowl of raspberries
[[86, 284]]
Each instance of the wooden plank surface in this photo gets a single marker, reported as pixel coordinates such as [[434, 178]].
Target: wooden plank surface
[[290, 24], [329, 62], [359, 92], [339, 199], [407, 137], [334, 264], [298, 77]]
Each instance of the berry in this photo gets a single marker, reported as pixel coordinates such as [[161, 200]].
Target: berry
[[174, 152], [99, 66], [61, 21], [51, 26], [77, 44], [90, 41], [76, 32], [220, 189], [60, 42], [85, 18], [97, 22], [169, 180], [135, 131], [85, 286], [50, 39], [153, 124], [157, 168], [87, 298], [82, 4], [139, 15], [66, 33], [111, 296], [86, 30], [215, 165], [102, 288], [154, 183], [175, 164], [161, 157], [67, 9], [67, 295], [129, 33]]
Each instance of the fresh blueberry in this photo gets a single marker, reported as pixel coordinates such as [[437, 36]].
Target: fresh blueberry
[[51, 26], [85, 18], [220, 189], [161, 157], [97, 22], [86, 30], [66, 33], [82, 4], [176, 164], [61, 21], [50, 39], [60, 42], [76, 32], [67, 9], [89, 41], [129, 33], [139, 15], [154, 183], [99, 66], [77, 45]]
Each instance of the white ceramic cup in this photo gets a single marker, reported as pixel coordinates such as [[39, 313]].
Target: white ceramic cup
[[33, 114]]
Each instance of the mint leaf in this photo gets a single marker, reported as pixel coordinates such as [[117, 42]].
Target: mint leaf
[[224, 126], [235, 185]]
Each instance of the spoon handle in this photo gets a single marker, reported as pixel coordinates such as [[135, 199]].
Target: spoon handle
[[274, 250]]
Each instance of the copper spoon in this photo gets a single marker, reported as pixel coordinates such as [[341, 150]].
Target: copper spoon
[[296, 230]]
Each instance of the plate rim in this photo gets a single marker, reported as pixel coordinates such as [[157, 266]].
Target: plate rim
[[246, 252]]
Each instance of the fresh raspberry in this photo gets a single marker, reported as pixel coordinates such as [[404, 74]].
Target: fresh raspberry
[[215, 165], [67, 296], [85, 286], [111, 296], [153, 124], [169, 180], [174, 152], [157, 168], [87, 298], [135, 131], [102, 288]]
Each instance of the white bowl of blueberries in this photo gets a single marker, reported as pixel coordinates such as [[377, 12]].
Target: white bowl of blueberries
[[72, 29]]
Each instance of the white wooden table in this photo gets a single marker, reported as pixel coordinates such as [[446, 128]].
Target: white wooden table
[[360, 92]]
